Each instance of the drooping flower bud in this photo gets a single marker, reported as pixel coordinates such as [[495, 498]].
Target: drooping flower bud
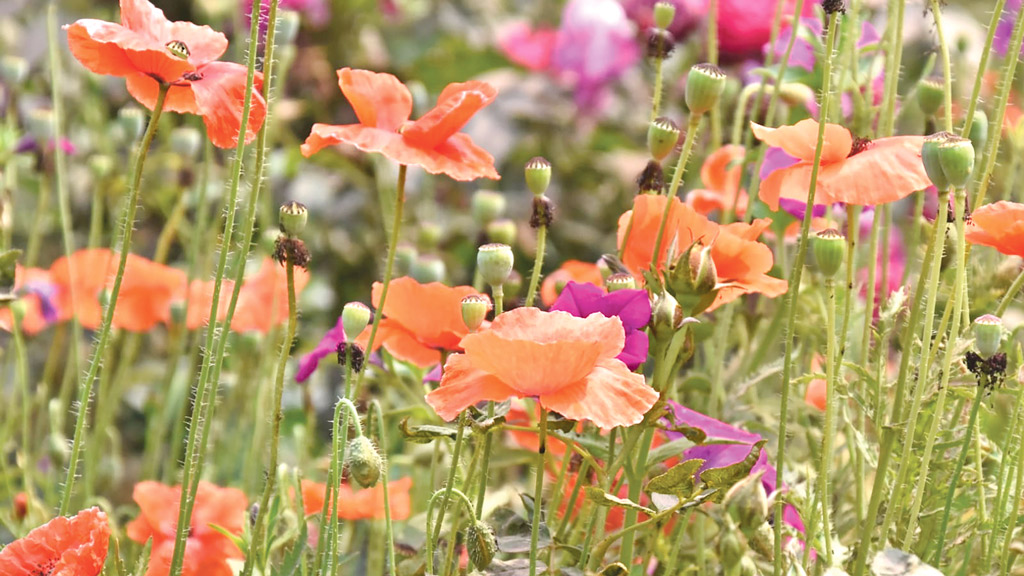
[[474, 311], [428, 268], [620, 281], [502, 231], [538, 175], [364, 462], [930, 94], [988, 331], [495, 263], [186, 141], [956, 155], [664, 14], [487, 206], [704, 86], [747, 502], [480, 544], [829, 247], [930, 159], [293, 217], [666, 316], [662, 136], [355, 317]]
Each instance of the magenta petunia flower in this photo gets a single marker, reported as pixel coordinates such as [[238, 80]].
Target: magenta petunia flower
[[633, 307]]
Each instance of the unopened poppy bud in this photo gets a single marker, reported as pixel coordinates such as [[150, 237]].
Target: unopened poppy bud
[[495, 263], [704, 86], [662, 136], [692, 278], [20, 505], [543, 212], [930, 159], [664, 14], [487, 206], [620, 282], [13, 70], [428, 268], [364, 462], [795, 93], [502, 231], [40, 125], [652, 179], [957, 158], [288, 22], [186, 141], [660, 44], [988, 331], [480, 544], [538, 175], [513, 286], [429, 236], [474, 311], [132, 121], [355, 317], [829, 247], [930, 95], [730, 549], [667, 315], [293, 216], [747, 502], [405, 256], [979, 130]]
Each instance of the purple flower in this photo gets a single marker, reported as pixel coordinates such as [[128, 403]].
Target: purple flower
[[328, 345], [1001, 41], [30, 144], [316, 11], [46, 292], [725, 445], [689, 14], [633, 307]]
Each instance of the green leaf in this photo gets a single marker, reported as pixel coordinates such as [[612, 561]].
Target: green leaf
[[426, 433], [598, 496], [726, 476], [680, 480], [615, 569]]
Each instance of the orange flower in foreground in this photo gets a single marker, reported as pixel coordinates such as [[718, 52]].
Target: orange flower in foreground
[[568, 363], [207, 550], [742, 263], [999, 225], [36, 288], [146, 290], [263, 299], [383, 105], [721, 173], [366, 504], [147, 49], [570, 271], [75, 546], [419, 320], [861, 172]]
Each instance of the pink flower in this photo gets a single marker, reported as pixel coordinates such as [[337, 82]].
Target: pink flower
[[744, 26]]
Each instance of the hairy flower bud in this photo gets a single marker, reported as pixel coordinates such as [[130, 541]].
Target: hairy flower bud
[[364, 462], [543, 212], [355, 317], [988, 331], [979, 130], [474, 311], [704, 86], [662, 136], [692, 279], [747, 503], [538, 175], [652, 179], [132, 120], [930, 94], [829, 248], [480, 544], [660, 44], [494, 261], [405, 255]]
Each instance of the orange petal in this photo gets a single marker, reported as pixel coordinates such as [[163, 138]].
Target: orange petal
[[794, 182], [456, 106], [888, 170], [220, 94], [224, 507], [379, 100], [404, 346], [263, 299], [63, 546], [722, 170], [801, 140], [106, 48], [365, 138], [463, 385], [609, 396], [431, 312], [144, 88], [816, 395], [158, 510], [999, 225], [204, 43], [570, 271], [683, 227], [458, 157]]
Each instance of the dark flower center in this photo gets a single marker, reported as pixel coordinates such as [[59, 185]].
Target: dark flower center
[[179, 49], [859, 145]]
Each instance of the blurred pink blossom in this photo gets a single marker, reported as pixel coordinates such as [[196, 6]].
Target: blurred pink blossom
[[744, 27], [689, 14]]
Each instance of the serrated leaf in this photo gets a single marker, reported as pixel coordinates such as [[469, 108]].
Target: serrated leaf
[[616, 569], [680, 480], [426, 433], [726, 476], [598, 496]]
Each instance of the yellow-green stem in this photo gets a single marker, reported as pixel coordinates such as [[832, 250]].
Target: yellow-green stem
[[538, 263], [538, 488], [677, 178]]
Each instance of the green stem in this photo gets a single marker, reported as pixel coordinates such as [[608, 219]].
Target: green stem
[[1006, 467], [1016, 494], [825, 462], [1011, 293], [463, 499], [538, 489], [538, 263], [450, 484], [28, 462], [692, 130], [794, 284], [716, 112], [389, 534], [972, 102], [125, 243], [947, 75]]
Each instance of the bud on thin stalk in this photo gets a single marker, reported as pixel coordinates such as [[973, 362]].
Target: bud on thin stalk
[[704, 86]]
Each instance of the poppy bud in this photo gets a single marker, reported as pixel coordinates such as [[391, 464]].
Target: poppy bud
[[405, 255], [480, 544], [730, 549], [747, 502], [355, 317], [930, 94], [979, 130], [666, 316], [662, 136], [538, 175], [428, 268], [956, 155], [704, 85], [40, 125], [254, 512], [487, 206], [364, 462], [20, 505], [293, 216], [186, 141], [474, 311], [13, 70], [660, 44], [18, 309], [132, 121], [829, 248], [795, 93], [429, 236], [543, 212], [988, 331], [652, 179], [930, 159], [620, 282], [664, 14], [693, 277], [495, 263], [502, 231]]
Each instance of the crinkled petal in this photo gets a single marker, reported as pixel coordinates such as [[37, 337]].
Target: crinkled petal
[[204, 43], [380, 100], [611, 395], [455, 107], [801, 140], [107, 48], [65, 546], [888, 170], [463, 385], [145, 89], [365, 138], [220, 95]]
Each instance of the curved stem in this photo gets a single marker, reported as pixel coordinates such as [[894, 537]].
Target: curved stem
[[431, 542], [1011, 293], [538, 263], [127, 225], [538, 489], [450, 484]]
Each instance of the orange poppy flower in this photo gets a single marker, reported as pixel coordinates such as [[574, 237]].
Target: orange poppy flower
[[383, 105], [36, 288], [721, 173], [741, 262], [419, 320], [816, 395], [146, 289], [366, 504], [200, 296], [75, 546], [570, 271], [263, 299], [865, 173], [207, 550], [999, 225], [147, 49], [568, 363]]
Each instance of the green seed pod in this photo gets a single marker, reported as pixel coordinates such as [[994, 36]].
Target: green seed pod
[[355, 317], [495, 263], [364, 462], [186, 141], [474, 311], [487, 206], [538, 175], [428, 268], [956, 155], [405, 255], [704, 86], [513, 286], [979, 131], [132, 120], [988, 331], [502, 231], [829, 247], [620, 281], [930, 94], [13, 70], [930, 159], [429, 236], [293, 217], [664, 14], [480, 544], [662, 136]]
